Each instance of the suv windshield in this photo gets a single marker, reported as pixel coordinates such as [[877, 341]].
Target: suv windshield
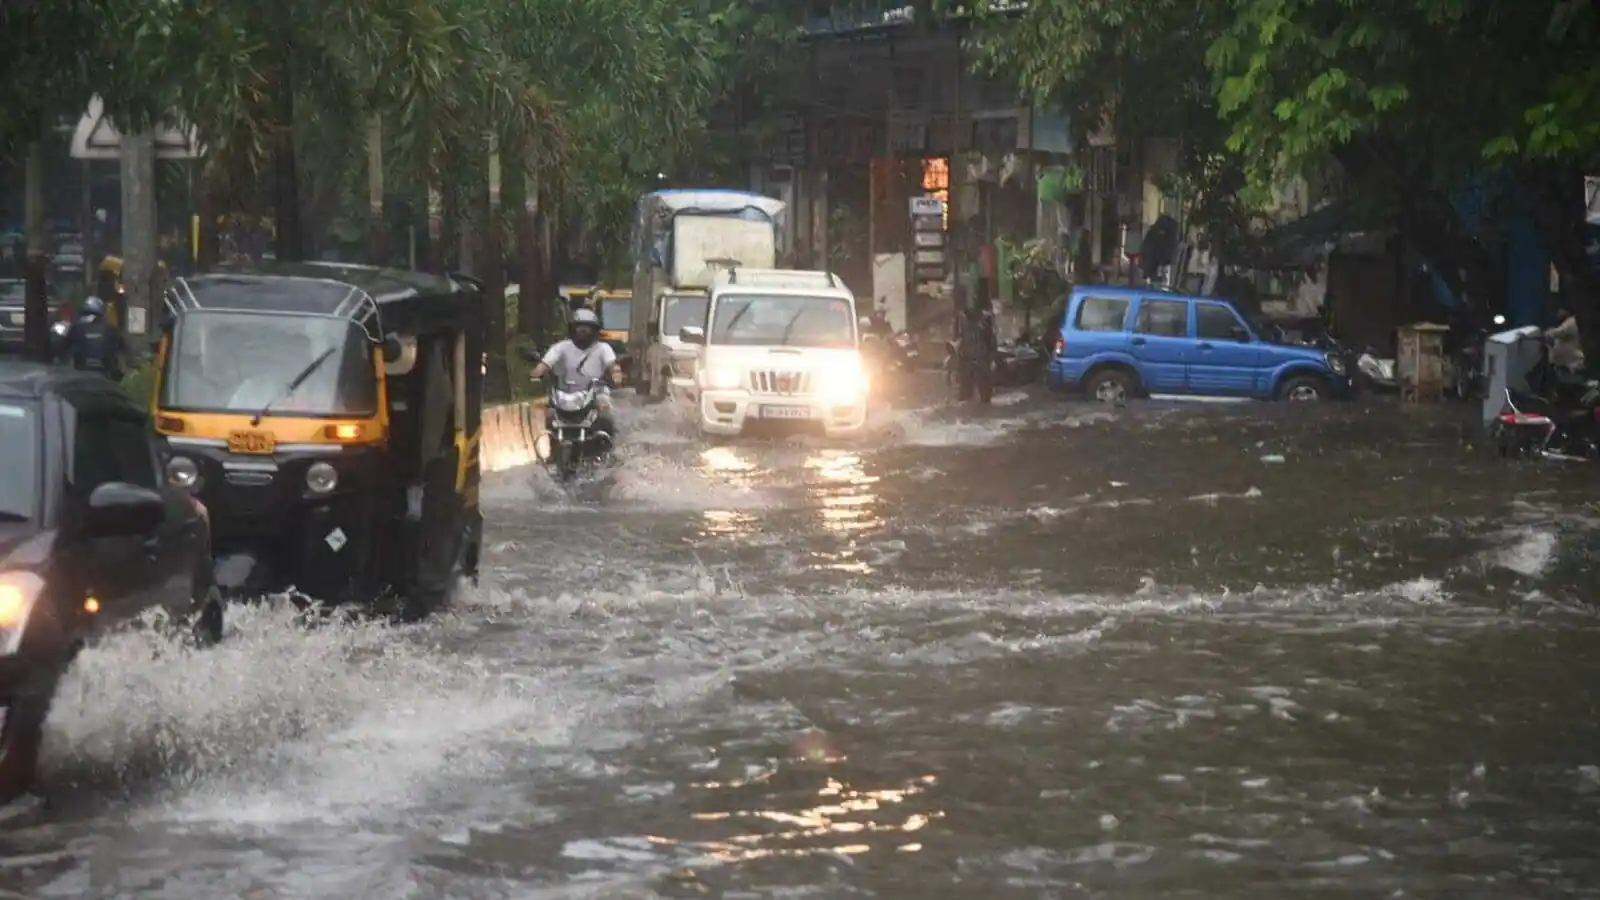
[[684, 309], [231, 361], [19, 447], [783, 320]]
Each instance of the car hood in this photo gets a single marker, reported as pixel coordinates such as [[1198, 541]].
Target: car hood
[[1297, 351], [24, 546]]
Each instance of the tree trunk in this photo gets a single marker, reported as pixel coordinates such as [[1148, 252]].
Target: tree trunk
[[208, 211], [36, 265], [290, 244], [497, 381], [377, 225], [533, 304], [436, 254]]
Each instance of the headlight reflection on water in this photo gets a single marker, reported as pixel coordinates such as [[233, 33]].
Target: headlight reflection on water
[[837, 823]]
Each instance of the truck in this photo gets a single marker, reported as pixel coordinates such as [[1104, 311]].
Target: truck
[[682, 239]]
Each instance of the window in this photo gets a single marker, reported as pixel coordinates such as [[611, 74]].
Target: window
[[1102, 313], [231, 361], [1163, 318], [790, 320], [108, 448], [1217, 323], [19, 446]]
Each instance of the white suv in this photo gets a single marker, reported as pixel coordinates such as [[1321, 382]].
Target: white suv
[[778, 345]]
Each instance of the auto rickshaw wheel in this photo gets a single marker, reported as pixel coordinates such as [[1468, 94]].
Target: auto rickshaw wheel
[[21, 738]]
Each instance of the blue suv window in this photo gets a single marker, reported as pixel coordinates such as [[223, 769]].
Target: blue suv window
[[1102, 313], [1214, 322], [1163, 318]]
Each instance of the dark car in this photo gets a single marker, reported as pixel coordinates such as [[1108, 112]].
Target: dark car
[[90, 536]]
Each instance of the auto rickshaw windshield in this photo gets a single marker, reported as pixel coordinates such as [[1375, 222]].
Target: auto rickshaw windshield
[[231, 361]]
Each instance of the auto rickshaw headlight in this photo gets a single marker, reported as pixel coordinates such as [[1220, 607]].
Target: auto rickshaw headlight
[[322, 478], [182, 472]]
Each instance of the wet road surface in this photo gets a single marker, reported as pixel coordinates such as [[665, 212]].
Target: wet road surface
[[1049, 650]]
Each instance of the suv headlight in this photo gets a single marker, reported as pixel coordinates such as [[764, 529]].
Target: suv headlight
[[19, 592], [1335, 363], [720, 378], [842, 385]]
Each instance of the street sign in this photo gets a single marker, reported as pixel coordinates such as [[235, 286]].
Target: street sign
[[96, 138]]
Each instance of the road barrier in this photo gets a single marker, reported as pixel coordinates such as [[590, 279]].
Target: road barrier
[[509, 433]]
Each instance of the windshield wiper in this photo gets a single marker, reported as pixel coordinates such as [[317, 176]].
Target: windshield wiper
[[784, 340], [294, 384], [728, 328]]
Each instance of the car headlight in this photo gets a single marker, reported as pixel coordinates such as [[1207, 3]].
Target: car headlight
[[721, 378], [842, 385], [322, 478], [19, 591], [1335, 363], [182, 472]]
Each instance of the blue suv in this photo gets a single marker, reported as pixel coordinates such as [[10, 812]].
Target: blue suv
[[1118, 342]]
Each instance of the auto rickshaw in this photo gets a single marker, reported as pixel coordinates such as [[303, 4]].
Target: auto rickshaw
[[327, 417]]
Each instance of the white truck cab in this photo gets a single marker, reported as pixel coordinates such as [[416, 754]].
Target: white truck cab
[[778, 345]]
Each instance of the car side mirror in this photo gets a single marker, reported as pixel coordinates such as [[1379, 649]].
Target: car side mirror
[[530, 354], [392, 350], [692, 334], [655, 328], [119, 509]]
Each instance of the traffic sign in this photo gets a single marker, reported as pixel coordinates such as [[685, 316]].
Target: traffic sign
[[95, 137]]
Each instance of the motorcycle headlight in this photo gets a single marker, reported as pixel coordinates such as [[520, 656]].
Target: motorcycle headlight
[[182, 472], [1335, 363], [842, 385], [721, 378], [19, 592], [322, 478], [571, 401]]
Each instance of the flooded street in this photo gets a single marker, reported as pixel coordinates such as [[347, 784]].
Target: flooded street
[[1047, 650]]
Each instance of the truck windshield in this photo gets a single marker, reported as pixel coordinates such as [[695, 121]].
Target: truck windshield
[[784, 321], [231, 361], [19, 446], [614, 314], [683, 309]]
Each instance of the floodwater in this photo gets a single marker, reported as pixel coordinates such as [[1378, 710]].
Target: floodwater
[[1046, 650]]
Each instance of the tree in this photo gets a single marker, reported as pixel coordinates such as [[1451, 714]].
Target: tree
[[1426, 97]]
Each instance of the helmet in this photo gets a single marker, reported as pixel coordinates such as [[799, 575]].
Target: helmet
[[583, 327], [94, 306]]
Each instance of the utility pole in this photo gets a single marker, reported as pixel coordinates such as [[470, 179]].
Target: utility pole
[[138, 158]]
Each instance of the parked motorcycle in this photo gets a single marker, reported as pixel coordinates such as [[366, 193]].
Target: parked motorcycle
[[572, 447], [1018, 363], [1376, 373]]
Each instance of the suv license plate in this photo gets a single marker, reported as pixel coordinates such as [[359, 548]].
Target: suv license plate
[[785, 412]]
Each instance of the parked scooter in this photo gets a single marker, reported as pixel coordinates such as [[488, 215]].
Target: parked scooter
[[1558, 416], [1018, 363], [1469, 380]]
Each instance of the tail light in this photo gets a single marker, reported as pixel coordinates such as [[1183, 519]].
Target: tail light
[[1597, 414], [1061, 346]]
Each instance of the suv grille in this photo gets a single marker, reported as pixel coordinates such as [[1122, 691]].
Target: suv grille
[[774, 381]]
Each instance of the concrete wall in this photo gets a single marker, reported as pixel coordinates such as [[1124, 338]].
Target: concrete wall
[[509, 433]]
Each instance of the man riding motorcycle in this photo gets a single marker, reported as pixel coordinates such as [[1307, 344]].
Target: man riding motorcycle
[[92, 343], [583, 358]]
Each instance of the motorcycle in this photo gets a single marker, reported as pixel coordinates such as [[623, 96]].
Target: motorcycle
[[572, 446], [1018, 363], [1557, 416]]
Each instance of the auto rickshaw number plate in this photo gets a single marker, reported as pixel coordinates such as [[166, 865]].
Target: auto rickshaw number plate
[[252, 442]]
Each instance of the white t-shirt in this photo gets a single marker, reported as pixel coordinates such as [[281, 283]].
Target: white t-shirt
[[569, 363]]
